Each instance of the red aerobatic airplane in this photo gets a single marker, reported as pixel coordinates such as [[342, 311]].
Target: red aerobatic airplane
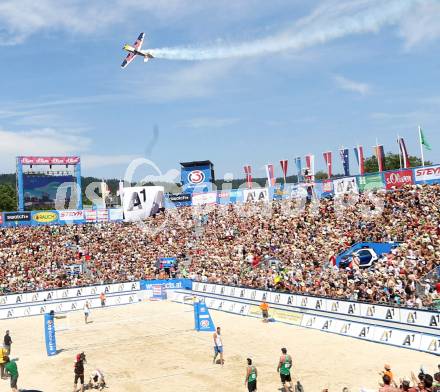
[[135, 50]]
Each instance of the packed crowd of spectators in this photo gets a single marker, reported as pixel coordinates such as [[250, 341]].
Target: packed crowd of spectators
[[287, 245], [423, 382]]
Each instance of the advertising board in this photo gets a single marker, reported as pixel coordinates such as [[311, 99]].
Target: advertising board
[[427, 175], [398, 178]]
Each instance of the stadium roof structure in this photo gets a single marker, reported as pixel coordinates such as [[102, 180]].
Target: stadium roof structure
[[196, 163]]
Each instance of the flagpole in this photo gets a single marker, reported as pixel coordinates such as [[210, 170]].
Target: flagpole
[[400, 151], [377, 154], [421, 146]]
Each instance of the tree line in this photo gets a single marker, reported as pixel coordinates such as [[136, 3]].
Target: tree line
[[8, 194]]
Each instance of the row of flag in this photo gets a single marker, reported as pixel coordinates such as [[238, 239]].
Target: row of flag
[[344, 153]]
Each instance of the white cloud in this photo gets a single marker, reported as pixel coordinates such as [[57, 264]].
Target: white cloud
[[351, 85], [46, 141], [21, 19], [422, 25], [208, 122], [93, 161], [49, 141], [332, 19], [171, 176]]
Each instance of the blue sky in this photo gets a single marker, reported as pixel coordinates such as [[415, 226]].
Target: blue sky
[[304, 76]]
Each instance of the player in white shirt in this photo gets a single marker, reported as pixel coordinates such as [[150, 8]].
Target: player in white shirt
[[97, 380], [218, 346], [86, 310]]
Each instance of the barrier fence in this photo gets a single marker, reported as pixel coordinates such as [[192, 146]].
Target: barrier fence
[[72, 299], [402, 327]]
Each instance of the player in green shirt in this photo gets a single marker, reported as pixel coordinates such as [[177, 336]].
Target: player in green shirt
[[284, 366], [11, 369], [251, 376]]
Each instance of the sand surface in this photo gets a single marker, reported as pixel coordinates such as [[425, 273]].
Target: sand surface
[[151, 346]]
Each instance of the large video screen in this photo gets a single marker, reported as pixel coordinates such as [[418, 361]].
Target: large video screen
[[40, 192]]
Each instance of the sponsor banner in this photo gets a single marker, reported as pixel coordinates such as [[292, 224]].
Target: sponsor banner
[[380, 312], [173, 284], [1, 218], [370, 182], [142, 202], [102, 215], [178, 200], [116, 214], [279, 192], [371, 332], [427, 175], [90, 215], [180, 197], [50, 160], [286, 316], [232, 196], [398, 178], [421, 318], [344, 307], [360, 331], [197, 177], [71, 215], [200, 199], [17, 217], [345, 185], [49, 334], [254, 311], [430, 344], [11, 300], [256, 195], [327, 187], [397, 337], [44, 217], [66, 305], [299, 191]]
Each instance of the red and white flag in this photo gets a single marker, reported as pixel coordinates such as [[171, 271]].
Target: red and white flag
[[270, 172], [359, 153], [328, 162], [380, 155], [404, 153], [248, 173], [310, 167], [284, 164]]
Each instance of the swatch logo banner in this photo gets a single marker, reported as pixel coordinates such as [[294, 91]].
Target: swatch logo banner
[[17, 216], [181, 197], [45, 217], [398, 179], [196, 177]]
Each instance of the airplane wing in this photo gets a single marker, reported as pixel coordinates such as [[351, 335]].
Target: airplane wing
[[140, 40], [130, 57]]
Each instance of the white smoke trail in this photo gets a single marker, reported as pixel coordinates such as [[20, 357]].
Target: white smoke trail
[[335, 19]]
